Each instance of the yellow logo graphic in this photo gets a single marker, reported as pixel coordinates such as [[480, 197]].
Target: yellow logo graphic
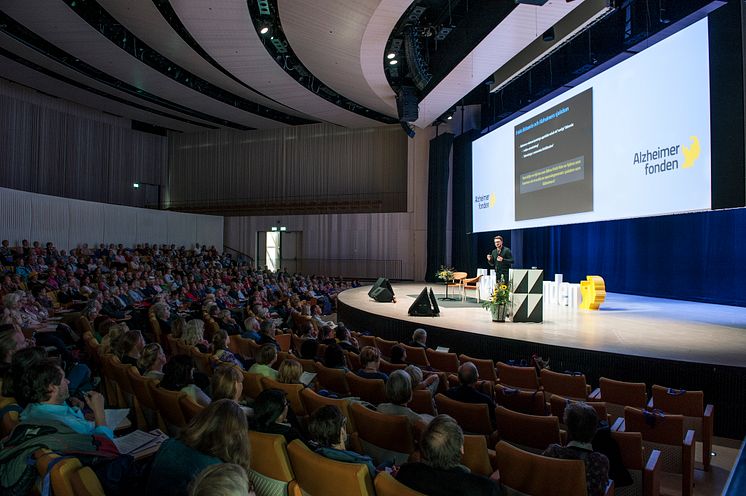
[[691, 153], [492, 200]]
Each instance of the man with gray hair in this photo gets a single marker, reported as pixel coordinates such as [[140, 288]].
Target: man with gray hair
[[440, 473], [419, 338], [467, 392]]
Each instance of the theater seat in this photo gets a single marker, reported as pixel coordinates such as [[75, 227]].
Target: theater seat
[[319, 476], [388, 486]]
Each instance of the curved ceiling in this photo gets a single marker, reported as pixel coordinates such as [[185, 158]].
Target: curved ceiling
[[236, 82]]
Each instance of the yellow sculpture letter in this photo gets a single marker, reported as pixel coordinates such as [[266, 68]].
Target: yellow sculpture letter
[[593, 291]]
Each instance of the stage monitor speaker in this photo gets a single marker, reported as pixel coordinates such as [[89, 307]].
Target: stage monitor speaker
[[382, 295], [382, 291], [421, 306], [434, 302]]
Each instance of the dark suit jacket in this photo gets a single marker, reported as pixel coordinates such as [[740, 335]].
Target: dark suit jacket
[[435, 482]]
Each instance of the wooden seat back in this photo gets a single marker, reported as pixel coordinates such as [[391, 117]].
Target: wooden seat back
[[530, 432], [317, 475], [473, 418]]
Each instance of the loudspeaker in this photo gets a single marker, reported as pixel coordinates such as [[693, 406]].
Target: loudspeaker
[[382, 291], [382, 295], [407, 104], [434, 302], [422, 306]]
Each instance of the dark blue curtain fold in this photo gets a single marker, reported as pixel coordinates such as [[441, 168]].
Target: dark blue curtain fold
[[437, 203]]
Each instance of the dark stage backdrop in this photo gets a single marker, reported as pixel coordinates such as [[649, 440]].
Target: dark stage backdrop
[[437, 204], [697, 257]]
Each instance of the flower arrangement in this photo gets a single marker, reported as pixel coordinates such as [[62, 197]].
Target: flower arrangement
[[500, 296], [445, 273]]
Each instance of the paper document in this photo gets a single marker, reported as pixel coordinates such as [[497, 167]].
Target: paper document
[[442, 349], [307, 378], [115, 416]]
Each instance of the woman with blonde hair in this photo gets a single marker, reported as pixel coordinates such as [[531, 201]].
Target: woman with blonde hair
[[289, 372], [109, 342], [129, 347], [151, 361], [218, 434], [226, 382], [194, 335]]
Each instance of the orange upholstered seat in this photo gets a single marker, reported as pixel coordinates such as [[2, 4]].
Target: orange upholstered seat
[[370, 390], [317, 475], [529, 432]]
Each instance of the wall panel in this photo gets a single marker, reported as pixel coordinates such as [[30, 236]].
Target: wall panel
[[69, 223]]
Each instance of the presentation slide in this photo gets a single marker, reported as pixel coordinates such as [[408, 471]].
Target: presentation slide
[[632, 141]]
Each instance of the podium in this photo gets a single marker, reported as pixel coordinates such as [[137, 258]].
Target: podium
[[528, 295]]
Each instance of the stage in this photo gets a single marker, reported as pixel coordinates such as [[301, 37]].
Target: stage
[[669, 342]]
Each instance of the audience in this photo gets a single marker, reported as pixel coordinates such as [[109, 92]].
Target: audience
[[467, 392], [129, 347], [398, 355], [221, 352], [419, 338], [581, 421], [218, 434], [345, 339], [45, 389], [399, 393], [178, 375], [224, 479], [265, 358], [271, 412], [290, 371], [370, 361], [334, 358], [430, 382], [151, 361], [328, 434], [440, 473]]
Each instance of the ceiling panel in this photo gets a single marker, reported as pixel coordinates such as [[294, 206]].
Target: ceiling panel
[[145, 21], [522, 26], [328, 38], [55, 22], [39, 59], [228, 35]]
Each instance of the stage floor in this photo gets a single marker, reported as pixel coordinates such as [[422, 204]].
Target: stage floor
[[630, 325]]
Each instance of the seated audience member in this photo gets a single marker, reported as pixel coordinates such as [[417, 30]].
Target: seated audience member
[[430, 382], [327, 336], [194, 335], [316, 315], [227, 382], [399, 393], [178, 326], [151, 361], [345, 339], [289, 372], [271, 412], [163, 315], [129, 347], [227, 323], [221, 352], [252, 325], [267, 334], [45, 388], [265, 358], [218, 434], [309, 349], [370, 360], [334, 358], [440, 473], [398, 355], [419, 338], [178, 375], [110, 341], [328, 433], [467, 392], [224, 479], [581, 421]]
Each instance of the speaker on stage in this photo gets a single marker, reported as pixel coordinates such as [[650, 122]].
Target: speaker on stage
[[434, 302], [422, 307], [382, 291]]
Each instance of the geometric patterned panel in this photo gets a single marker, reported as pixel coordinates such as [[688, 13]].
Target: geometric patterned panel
[[528, 295]]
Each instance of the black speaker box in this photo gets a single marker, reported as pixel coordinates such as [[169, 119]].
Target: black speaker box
[[407, 104], [382, 295], [421, 306]]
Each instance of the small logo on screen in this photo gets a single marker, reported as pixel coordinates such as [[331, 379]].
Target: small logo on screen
[[668, 158], [485, 201]]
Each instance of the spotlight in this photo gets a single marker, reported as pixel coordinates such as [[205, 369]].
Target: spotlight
[[449, 117], [135, 185], [393, 62], [391, 56], [264, 30]]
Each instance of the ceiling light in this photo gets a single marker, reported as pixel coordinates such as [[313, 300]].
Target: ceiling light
[[393, 62], [264, 30], [135, 185], [391, 55], [449, 117]]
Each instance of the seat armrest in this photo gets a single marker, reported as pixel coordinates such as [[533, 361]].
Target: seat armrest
[[595, 395], [707, 432], [618, 425], [650, 403], [651, 482], [493, 458], [609, 488], [687, 463]]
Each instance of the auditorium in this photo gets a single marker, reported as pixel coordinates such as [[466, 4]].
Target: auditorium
[[372, 247]]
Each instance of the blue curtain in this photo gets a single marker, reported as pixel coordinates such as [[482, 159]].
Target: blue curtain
[[694, 257]]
